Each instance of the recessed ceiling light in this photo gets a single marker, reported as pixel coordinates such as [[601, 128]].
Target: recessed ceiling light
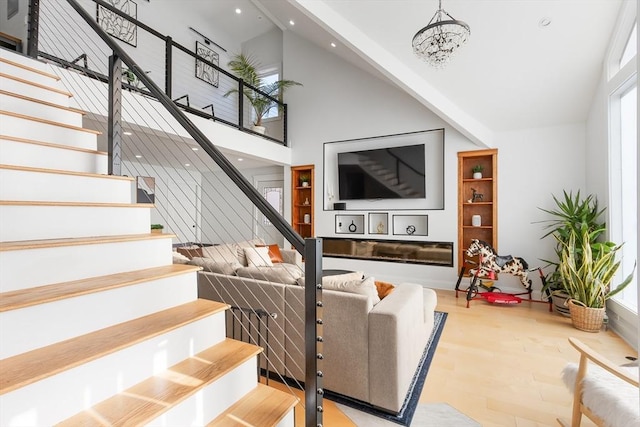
[[238, 10], [194, 148], [291, 22], [187, 164], [544, 22], [127, 133], [240, 159], [138, 156], [333, 44]]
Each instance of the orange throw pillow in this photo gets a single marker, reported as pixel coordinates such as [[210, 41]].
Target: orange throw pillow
[[274, 252], [384, 288]]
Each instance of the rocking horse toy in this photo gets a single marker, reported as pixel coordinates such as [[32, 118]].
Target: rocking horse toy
[[488, 266]]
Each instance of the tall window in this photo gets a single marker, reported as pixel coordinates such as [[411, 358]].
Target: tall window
[[624, 168], [626, 208]]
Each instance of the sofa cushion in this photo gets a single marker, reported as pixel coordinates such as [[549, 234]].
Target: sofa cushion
[[274, 253], [337, 279], [208, 264], [258, 257], [246, 244], [222, 253], [286, 274], [364, 287], [179, 258]]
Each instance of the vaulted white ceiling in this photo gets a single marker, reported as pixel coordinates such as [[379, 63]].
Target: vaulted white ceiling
[[512, 74]]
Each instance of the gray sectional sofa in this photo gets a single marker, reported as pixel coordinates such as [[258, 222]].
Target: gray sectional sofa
[[371, 347]]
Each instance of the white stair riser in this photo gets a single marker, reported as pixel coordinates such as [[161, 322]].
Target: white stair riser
[[21, 185], [30, 222], [288, 420], [41, 325], [30, 129], [41, 111], [27, 74], [18, 153], [37, 92], [23, 269], [25, 60], [212, 400], [61, 396]]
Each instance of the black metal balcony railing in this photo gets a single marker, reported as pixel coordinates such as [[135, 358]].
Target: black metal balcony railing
[[171, 65]]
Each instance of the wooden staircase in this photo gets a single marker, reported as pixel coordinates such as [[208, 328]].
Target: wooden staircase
[[97, 325]]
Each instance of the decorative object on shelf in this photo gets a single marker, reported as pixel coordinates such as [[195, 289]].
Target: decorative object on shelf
[[246, 68], [349, 224], [205, 71], [307, 218], [352, 227], [410, 225], [476, 196], [440, 39], [477, 171], [304, 180], [116, 25], [157, 228], [306, 202], [380, 228], [411, 229], [339, 206], [476, 220]]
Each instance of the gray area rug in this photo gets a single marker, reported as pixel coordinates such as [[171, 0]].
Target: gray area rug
[[426, 415]]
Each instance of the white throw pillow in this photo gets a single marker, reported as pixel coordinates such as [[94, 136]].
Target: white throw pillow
[[247, 244], [179, 258], [364, 287], [258, 257]]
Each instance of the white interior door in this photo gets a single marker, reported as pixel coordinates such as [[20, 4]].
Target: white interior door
[[272, 189], [184, 211]]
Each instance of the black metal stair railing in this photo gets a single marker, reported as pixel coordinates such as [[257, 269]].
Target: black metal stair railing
[[148, 114]]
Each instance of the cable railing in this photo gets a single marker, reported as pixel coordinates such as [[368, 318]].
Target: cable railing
[[179, 71], [199, 196]]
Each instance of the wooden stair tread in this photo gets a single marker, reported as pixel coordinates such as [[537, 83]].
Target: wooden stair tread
[[29, 82], [49, 122], [53, 243], [14, 300], [149, 399], [263, 406], [65, 172], [51, 144], [26, 368], [40, 101], [26, 67]]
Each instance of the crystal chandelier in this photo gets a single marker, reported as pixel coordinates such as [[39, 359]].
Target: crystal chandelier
[[440, 39]]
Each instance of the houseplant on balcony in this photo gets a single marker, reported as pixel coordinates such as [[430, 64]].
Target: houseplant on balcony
[[587, 269], [247, 68], [157, 228], [571, 212]]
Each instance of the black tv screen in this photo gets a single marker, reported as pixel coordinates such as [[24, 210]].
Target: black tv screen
[[385, 173]]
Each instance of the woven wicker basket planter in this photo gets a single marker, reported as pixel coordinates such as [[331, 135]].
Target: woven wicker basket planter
[[585, 318]]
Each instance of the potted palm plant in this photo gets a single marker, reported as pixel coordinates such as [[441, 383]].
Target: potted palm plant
[[587, 269], [246, 68], [570, 214]]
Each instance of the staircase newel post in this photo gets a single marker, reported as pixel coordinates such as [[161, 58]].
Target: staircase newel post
[[33, 28], [114, 121], [313, 332]]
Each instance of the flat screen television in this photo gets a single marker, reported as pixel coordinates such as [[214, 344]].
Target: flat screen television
[[384, 173]]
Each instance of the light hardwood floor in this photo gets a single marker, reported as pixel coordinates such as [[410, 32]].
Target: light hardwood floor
[[501, 364]]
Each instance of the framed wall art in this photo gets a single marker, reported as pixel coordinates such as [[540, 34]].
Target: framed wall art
[[205, 71], [116, 25]]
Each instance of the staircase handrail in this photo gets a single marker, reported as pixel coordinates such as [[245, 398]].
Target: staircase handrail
[[227, 167]]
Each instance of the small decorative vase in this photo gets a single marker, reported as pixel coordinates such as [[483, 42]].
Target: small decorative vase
[[305, 183], [307, 218], [476, 220], [477, 175]]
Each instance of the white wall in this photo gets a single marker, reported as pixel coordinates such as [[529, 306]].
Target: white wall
[[339, 101]]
